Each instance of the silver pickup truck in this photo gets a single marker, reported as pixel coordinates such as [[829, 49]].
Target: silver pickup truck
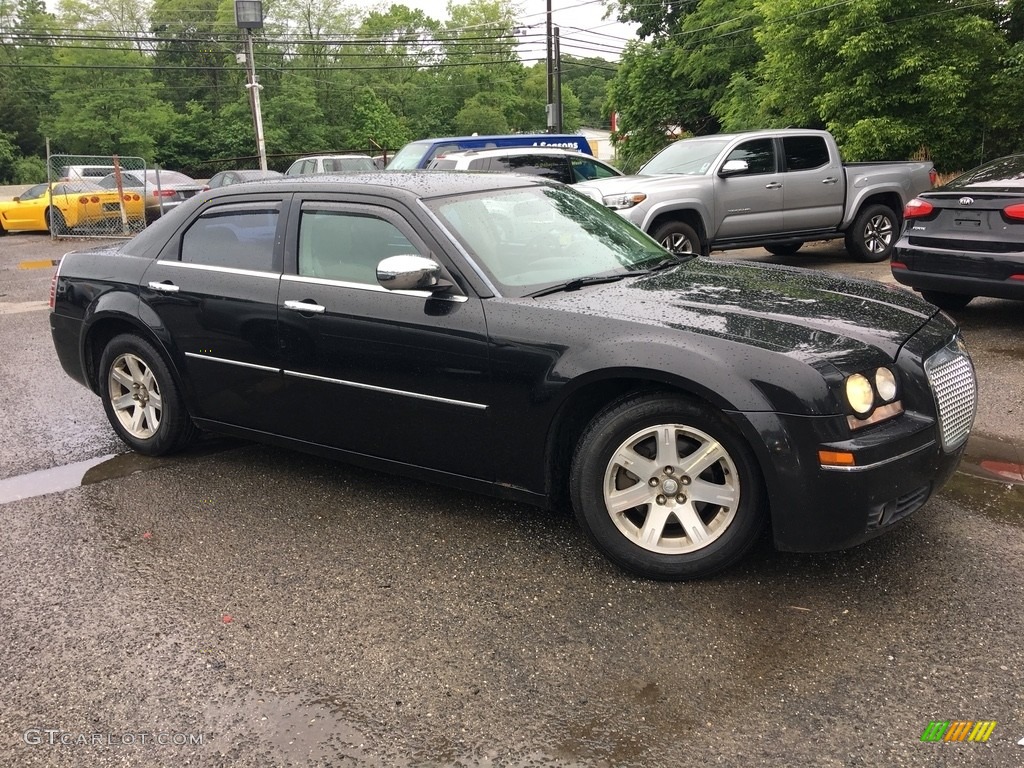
[[778, 188]]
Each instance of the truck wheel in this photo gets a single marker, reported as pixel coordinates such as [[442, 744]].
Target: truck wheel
[[951, 302], [677, 237], [872, 234], [666, 488], [783, 249]]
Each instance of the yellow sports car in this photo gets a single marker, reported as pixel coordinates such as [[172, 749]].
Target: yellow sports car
[[62, 206]]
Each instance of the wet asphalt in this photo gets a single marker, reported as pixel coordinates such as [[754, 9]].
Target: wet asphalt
[[240, 605]]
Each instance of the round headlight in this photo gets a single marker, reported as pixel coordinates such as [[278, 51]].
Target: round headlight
[[885, 383], [859, 394]]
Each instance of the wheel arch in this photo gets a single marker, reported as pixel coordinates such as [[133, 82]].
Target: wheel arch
[[106, 327], [889, 198], [580, 406]]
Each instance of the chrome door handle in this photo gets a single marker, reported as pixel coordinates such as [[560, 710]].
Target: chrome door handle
[[165, 287], [773, 185], [829, 180], [305, 306]]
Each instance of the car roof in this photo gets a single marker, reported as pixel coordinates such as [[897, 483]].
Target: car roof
[[419, 183], [507, 151]]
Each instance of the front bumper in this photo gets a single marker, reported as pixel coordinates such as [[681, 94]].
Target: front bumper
[[898, 464]]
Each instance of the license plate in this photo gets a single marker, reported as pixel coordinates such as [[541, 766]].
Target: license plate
[[111, 206]]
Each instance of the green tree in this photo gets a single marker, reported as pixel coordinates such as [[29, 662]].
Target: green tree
[[375, 126], [889, 78]]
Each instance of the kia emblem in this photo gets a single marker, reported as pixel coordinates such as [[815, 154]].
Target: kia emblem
[[966, 201]]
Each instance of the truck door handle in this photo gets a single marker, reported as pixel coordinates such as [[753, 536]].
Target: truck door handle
[[829, 180], [305, 305], [773, 185], [167, 286]]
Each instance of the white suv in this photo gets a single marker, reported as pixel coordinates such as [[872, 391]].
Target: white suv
[[305, 166], [563, 165]]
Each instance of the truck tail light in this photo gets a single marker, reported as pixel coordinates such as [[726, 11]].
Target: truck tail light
[[53, 289], [933, 176], [917, 208]]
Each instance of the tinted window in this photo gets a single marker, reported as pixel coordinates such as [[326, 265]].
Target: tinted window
[[347, 246], [242, 239], [33, 193], [805, 152], [759, 154], [548, 166], [585, 169]]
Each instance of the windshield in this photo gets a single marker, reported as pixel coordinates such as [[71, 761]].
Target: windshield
[[533, 238], [408, 157], [689, 156]]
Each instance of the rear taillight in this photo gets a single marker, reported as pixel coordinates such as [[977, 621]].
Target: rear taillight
[[163, 193], [83, 200], [917, 208], [933, 177], [1015, 212], [53, 289]]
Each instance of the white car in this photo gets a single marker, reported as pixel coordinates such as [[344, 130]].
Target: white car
[[563, 165], [306, 166]]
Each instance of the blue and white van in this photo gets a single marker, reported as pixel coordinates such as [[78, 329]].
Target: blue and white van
[[418, 154]]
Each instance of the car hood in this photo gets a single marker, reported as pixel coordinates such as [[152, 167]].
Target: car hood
[[619, 185], [811, 316]]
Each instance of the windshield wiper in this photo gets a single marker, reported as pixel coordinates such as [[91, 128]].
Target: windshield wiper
[[580, 282]]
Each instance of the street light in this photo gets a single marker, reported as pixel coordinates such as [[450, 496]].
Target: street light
[[249, 16]]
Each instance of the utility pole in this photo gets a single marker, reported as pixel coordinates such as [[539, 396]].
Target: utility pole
[[549, 107], [558, 82], [249, 16]]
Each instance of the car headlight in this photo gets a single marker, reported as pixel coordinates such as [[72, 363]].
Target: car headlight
[[859, 394], [628, 200], [872, 399], [885, 384]]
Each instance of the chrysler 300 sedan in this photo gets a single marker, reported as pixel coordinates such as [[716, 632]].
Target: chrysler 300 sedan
[[508, 335]]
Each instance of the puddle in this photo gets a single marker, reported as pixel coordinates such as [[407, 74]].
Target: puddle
[[990, 480], [90, 471]]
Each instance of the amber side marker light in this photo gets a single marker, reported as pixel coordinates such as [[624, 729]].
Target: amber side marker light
[[836, 459]]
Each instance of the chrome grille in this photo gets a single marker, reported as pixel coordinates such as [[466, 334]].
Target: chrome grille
[[951, 376]]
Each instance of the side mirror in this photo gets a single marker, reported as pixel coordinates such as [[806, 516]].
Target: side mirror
[[734, 168], [17, 199], [411, 272]]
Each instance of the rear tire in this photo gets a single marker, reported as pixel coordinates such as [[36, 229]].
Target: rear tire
[[55, 222], [951, 302], [667, 488], [873, 233], [141, 398]]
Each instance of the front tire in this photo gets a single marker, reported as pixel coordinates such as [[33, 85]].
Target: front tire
[[141, 398], [677, 237], [873, 234], [666, 488], [951, 302]]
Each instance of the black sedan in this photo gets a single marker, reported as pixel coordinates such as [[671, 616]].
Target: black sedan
[[966, 238], [509, 335]]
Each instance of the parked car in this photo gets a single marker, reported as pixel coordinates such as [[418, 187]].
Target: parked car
[[778, 188], [225, 178], [562, 165], [966, 238], [85, 172], [63, 206], [162, 190], [419, 154], [383, 318], [305, 166]]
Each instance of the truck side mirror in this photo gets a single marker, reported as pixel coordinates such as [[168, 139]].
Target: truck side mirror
[[734, 168]]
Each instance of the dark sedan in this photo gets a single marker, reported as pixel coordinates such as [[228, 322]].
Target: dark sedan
[[966, 238], [162, 190], [508, 335]]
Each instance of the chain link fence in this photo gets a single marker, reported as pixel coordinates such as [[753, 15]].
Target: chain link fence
[[95, 196]]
